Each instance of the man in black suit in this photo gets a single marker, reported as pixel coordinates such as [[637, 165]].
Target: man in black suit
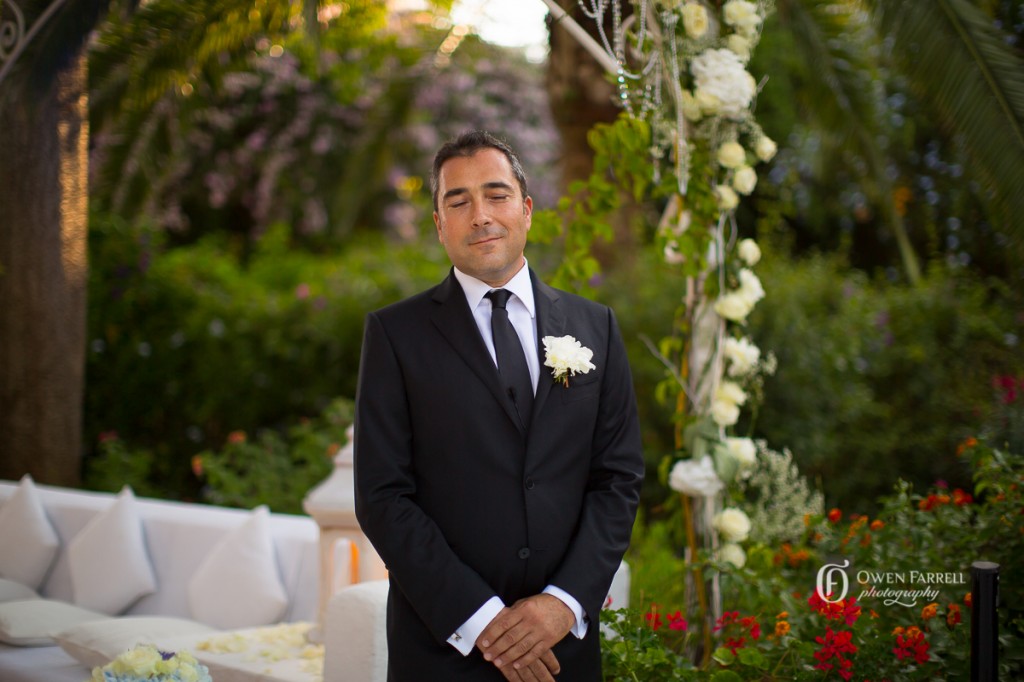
[[501, 509]]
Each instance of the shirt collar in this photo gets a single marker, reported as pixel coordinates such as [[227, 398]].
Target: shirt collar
[[520, 285]]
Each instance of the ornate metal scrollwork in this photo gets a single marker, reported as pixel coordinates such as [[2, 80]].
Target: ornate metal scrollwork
[[13, 36], [12, 28]]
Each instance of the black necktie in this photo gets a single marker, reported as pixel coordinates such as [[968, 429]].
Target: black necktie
[[515, 374]]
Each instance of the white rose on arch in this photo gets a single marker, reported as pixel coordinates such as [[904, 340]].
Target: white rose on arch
[[741, 355], [732, 523], [744, 180], [731, 392], [743, 449], [695, 478], [724, 413], [720, 75], [733, 306], [733, 554], [749, 252], [750, 287], [695, 19]]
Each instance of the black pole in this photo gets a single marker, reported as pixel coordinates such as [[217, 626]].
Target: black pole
[[984, 622]]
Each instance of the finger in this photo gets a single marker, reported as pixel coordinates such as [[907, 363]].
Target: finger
[[529, 657], [518, 650], [551, 662], [538, 671], [512, 646]]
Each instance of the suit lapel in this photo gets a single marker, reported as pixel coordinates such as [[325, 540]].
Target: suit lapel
[[455, 321], [551, 321]]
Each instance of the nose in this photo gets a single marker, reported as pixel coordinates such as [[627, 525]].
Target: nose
[[481, 216]]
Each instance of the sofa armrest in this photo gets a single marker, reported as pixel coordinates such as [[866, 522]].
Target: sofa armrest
[[355, 637]]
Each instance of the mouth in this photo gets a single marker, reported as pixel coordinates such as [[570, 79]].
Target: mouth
[[485, 240]]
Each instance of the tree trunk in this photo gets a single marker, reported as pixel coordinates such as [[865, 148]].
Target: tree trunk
[[43, 277], [580, 93], [582, 96]]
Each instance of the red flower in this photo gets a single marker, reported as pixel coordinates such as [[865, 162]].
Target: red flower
[[836, 645], [846, 610], [107, 436], [236, 437], [676, 621], [933, 501], [835, 515], [953, 615], [1008, 386], [911, 644]]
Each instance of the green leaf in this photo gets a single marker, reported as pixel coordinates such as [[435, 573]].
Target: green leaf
[[724, 657]]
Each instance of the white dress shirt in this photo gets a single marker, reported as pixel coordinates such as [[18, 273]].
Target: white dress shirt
[[522, 312]]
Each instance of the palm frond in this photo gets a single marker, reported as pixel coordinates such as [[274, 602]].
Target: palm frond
[[961, 65], [836, 42]]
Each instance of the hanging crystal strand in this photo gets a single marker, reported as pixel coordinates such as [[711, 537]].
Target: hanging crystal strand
[[682, 145]]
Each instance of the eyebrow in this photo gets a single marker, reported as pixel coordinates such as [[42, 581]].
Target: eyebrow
[[496, 184]]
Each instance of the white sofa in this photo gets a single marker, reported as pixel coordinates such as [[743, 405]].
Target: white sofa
[[180, 540], [203, 560]]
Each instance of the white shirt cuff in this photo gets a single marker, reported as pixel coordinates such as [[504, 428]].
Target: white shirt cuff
[[464, 639], [579, 629]]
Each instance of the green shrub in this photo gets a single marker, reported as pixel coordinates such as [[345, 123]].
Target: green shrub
[[188, 345], [878, 381]]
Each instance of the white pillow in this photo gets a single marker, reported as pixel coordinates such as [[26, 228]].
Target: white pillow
[[13, 591], [98, 642], [30, 543], [237, 585], [35, 621], [110, 568]]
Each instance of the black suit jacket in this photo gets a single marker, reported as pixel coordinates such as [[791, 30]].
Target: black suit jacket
[[462, 504]]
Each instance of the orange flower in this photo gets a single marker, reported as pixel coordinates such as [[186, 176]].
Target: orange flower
[[929, 612], [960, 498], [835, 515], [953, 615], [807, 519], [877, 524], [968, 600], [874, 614], [966, 445], [898, 630], [197, 466], [782, 616], [781, 628], [913, 631], [236, 437]]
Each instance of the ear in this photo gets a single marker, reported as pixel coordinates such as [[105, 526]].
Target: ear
[[528, 212], [437, 225]]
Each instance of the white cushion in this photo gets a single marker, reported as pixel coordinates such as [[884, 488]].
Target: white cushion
[[34, 622], [30, 543], [14, 591], [109, 564], [97, 643], [238, 585]]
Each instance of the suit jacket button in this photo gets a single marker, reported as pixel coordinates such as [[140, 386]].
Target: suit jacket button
[[529, 484], [524, 553]]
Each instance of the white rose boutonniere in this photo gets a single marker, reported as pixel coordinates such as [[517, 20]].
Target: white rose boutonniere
[[566, 357]]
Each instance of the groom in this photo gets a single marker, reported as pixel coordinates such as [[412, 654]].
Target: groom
[[501, 501]]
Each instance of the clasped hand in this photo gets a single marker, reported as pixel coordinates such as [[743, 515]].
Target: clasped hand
[[519, 639]]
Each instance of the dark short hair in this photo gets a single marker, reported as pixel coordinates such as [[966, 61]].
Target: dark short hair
[[468, 144]]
